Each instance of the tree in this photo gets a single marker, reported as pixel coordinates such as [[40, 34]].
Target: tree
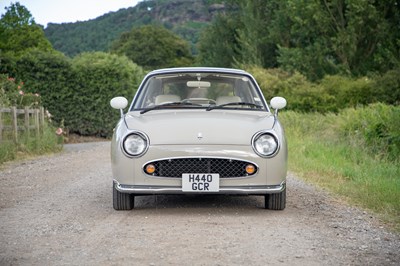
[[240, 36], [19, 32], [351, 37], [153, 47], [218, 43], [256, 45], [16, 16], [314, 37]]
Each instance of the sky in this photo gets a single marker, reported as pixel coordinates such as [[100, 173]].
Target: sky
[[59, 11]]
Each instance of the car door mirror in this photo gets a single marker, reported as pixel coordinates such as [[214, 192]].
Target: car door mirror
[[119, 103], [278, 103]]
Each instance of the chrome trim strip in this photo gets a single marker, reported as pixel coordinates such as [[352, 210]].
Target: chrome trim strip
[[257, 190]]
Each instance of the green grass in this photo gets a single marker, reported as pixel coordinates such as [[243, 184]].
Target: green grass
[[8, 151], [324, 151], [31, 145]]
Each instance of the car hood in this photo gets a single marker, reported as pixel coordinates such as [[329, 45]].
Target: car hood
[[199, 127]]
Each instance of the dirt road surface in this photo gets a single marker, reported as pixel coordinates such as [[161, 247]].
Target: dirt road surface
[[57, 210]]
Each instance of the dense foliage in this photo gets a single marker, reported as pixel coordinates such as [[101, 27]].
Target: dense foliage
[[218, 42], [330, 94], [19, 32], [375, 127], [100, 77], [48, 74], [14, 93], [315, 38], [75, 91], [153, 47], [184, 17], [78, 91]]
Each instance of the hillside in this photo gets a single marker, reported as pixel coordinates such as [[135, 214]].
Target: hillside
[[184, 17]]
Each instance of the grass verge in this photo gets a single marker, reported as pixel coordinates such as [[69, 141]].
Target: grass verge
[[324, 151], [31, 145]]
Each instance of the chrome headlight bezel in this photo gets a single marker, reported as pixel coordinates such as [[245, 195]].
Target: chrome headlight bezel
[[140, 136], [272, 135]]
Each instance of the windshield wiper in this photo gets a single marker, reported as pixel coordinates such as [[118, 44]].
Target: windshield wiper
[[236, 103], [160, 106]]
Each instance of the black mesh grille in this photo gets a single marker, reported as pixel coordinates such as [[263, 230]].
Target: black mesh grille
[[226, 168]]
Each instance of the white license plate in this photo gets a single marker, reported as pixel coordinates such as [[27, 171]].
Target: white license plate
[[200, 182]]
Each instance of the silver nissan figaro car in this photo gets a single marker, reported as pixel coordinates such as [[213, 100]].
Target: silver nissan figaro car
[[199, 131]]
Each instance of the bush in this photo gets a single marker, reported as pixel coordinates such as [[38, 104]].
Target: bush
[[331, 94], [301, 94], [387, 87], [78, 91], [375, 127], [14, 93], [349, 92], [99, 78], [50, 75]]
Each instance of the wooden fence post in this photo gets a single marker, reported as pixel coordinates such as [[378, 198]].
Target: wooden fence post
[[26, 124], [36, 112], [14, 124], [1, 126], [42, 119]]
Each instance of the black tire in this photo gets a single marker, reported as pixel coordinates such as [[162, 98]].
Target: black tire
[[122, 201], [276, 201]]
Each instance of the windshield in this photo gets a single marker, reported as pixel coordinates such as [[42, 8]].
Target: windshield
[[199, 90]]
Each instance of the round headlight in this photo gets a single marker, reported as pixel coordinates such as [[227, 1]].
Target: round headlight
[[135, 144], [265, 144]]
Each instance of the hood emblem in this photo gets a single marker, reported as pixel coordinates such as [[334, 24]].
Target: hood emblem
[[200, 136]]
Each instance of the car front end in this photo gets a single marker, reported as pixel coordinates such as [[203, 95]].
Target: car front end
[[204, 146]]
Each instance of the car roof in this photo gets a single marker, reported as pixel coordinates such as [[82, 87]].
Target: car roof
[[198, 69]]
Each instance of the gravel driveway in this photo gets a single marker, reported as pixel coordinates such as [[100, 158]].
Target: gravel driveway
[[57, 210]]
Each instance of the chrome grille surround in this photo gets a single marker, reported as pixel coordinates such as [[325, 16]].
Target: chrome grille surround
[[225, 167]]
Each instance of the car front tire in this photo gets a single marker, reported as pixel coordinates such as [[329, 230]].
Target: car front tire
[[122, 201], [276, 201]]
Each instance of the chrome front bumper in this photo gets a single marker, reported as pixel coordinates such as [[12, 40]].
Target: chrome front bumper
[[249, 190]]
